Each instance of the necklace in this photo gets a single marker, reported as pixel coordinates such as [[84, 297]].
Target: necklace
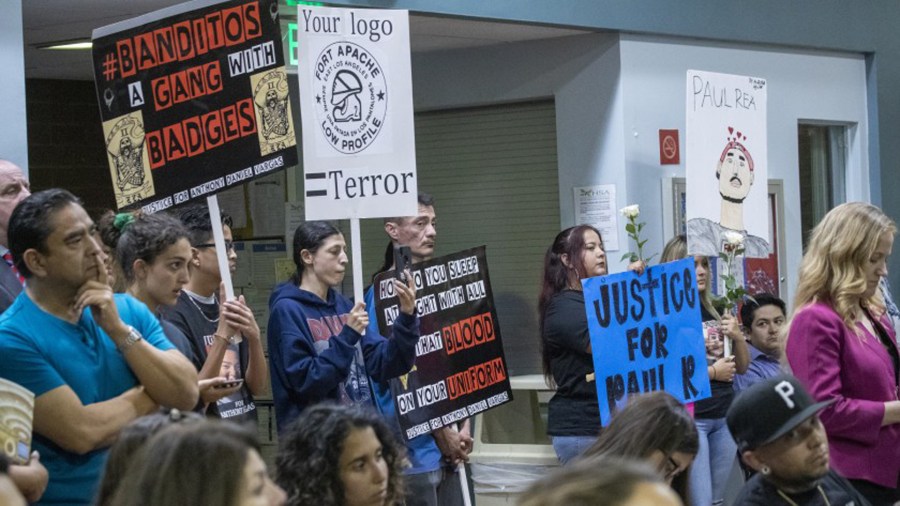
[[203, 313], [792, 503]]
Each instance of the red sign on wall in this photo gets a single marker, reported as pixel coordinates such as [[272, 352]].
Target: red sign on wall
[[668, 147]]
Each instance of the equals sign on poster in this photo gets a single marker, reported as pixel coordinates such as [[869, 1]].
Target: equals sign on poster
[[316, 176]]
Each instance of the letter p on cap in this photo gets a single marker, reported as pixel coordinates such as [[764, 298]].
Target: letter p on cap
[[786, 391]]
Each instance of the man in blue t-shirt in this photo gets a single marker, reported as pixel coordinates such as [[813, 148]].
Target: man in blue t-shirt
[[66, 339], [432, 479]]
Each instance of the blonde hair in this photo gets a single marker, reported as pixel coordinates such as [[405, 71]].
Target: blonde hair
[[676, 249], [832, 269]]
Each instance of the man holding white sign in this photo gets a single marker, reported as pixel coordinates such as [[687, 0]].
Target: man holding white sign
[[429, 483]]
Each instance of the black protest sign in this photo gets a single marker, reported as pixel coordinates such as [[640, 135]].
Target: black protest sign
[[460, 369], [194, 99]]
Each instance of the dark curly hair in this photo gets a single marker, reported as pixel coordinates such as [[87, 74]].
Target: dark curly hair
[[310, 451], [145, 238]]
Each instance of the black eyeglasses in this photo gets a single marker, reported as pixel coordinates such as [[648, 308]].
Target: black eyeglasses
[[671, 469], [229, 245]]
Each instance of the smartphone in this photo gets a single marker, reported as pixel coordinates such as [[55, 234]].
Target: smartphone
[[402, 262], [230, 384]]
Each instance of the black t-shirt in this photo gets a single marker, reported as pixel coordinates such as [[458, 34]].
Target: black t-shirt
[[722, 391], [177, 337], [760, 492], [198, 321], [574, 409]]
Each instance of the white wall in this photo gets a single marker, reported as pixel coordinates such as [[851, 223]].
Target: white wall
[[581, 73], [802, 86], [613, 93], [13, 134]]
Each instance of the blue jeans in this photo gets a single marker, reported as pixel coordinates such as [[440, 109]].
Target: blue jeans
[[712, 466], [569, 447], [434, 488]]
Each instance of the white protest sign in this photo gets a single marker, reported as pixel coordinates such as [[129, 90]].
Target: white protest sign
[[726, 162], [356, 105]]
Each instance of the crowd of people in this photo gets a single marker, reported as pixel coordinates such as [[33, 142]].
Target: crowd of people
[[837, 444], [145, 375]]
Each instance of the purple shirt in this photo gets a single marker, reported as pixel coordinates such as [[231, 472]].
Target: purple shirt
[[761, 367], [857, 372]]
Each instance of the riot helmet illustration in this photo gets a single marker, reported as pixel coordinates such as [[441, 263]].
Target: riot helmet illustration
[[344, 91]]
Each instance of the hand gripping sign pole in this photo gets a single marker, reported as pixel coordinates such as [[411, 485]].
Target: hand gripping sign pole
[[221, 252], [463, 479], [356, 251]]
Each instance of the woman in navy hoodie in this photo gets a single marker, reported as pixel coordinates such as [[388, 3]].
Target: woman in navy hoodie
[[316, 351]]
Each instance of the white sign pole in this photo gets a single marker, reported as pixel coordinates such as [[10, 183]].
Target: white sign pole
[[463, 479], [221, 253], [356, 251]]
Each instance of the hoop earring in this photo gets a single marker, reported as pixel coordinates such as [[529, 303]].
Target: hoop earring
[[765, 470]]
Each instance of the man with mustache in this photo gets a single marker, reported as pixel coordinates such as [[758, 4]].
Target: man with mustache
[[777, 429], [735, 175], [432, 478], [94, 360]]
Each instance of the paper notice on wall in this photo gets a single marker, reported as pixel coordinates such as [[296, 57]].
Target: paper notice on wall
[[596, 206], [244, 272], [267, 205], [293, 217], [233, 203], [265, 254]]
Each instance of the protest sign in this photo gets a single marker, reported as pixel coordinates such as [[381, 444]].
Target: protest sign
[[359, 155], [646, 335], [194, 99], [726, 162], [16, 416], [460, 368]]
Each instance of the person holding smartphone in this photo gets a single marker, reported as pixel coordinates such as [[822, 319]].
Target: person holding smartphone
[[318, 347], [153, 252]]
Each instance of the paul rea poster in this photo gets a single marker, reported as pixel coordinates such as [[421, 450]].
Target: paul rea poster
[[726, 162]]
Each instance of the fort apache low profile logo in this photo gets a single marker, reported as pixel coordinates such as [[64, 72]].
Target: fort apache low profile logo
[[351, 96]]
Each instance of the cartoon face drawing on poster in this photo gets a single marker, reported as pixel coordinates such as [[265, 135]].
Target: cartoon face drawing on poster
[[735, 177], [128, 160], [345, 97], [273, 110], [351, 97]]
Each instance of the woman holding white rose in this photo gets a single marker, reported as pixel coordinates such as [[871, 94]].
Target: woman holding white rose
[[717, 448], [573, 412]]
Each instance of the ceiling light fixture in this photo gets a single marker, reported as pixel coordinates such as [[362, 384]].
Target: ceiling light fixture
[[66, 44]]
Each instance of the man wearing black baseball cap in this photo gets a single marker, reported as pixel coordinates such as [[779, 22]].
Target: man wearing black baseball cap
[[777, 429]]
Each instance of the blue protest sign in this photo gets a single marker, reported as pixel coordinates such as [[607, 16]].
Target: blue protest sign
[[646, 335]]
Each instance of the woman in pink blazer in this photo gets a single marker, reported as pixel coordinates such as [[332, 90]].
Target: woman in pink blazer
[[842, 346]]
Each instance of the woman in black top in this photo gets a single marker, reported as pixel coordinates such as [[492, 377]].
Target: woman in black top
[[574, 412]]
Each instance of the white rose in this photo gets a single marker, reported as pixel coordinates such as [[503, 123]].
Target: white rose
[[632, 211], [734, 239]]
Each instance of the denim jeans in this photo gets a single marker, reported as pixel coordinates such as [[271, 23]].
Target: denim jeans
[[434, 488], [569, 447], [712, 466]]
